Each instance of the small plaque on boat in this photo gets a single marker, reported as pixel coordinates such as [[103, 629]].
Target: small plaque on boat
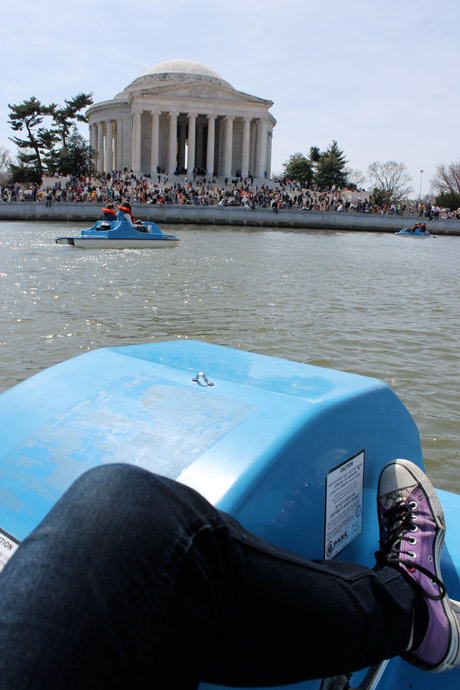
[[8, 546], [344, 502]]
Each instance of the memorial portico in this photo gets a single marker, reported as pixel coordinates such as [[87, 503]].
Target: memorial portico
[[180, 116]]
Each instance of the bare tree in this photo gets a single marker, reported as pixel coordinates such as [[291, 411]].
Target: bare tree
[[391, 181], [5, 160], [447, 179], [355, 178]]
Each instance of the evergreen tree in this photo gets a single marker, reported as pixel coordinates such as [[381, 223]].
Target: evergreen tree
[[449, 200], [65, 118], [299, 168], [29, 115], [315, 154], [73, 159], [37, 153], [330, 168], [314, 157]]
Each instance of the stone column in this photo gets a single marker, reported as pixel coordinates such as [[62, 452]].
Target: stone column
[[191, 144], [100, 146], [228, 146], [109, 147], [211, 143], [246, 151], [253, 144], [269, 153], [136, 142], [181, 127], [261, 160], [92, 140], [199, 152], [172, 144], [220, 146], [119, 146], [155, 141], [91, 135]]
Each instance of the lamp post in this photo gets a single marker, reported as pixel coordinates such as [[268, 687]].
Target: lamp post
[[421, 176]]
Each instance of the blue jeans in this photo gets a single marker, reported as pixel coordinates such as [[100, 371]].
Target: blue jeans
[[136, 581]]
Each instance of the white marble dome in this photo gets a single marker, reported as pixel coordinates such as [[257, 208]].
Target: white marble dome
[[183, 67]]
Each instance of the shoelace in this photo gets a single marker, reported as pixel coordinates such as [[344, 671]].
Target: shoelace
[[398, 530]]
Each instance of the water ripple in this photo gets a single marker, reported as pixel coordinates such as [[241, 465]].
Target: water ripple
[[369, 303]]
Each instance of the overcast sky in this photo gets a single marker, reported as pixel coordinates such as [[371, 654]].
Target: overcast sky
[[382, 78]]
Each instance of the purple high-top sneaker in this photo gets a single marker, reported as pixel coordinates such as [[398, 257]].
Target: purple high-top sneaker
[[412, 531]]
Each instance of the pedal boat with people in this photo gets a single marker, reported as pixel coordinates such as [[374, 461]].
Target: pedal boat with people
[[121, 234], [293, 451], [418, 230]]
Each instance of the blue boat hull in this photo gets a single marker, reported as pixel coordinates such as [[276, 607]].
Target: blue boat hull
[[262, 438], [414, 232], [121, 234]]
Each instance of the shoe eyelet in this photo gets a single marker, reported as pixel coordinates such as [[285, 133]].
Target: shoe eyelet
[[430, 558], [413, 505], [411, 554], [412, 541], [413, 528]]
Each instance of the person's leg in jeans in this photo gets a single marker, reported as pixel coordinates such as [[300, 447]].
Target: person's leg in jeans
[[136, 581]]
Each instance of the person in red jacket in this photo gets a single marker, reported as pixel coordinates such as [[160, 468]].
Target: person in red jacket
[[125, 212], [108, 213]]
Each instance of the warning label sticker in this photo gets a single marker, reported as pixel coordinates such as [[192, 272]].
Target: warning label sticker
[[344, 502], [8, 546]]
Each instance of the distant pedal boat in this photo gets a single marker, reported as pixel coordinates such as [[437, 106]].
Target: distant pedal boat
[[418, 230], [120, 234]]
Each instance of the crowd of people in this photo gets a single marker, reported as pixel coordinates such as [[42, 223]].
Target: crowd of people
[[281, 194]]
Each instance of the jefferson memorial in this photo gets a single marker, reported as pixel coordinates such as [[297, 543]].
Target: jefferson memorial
[[180, 116]]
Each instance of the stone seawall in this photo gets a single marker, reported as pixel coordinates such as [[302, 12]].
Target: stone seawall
[[218, 215]]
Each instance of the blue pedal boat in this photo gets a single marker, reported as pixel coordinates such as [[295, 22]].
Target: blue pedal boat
[[418, 230], [291, 450], [120, 234]]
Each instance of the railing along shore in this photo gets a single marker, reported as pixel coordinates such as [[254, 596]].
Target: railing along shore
[[237, 216]]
